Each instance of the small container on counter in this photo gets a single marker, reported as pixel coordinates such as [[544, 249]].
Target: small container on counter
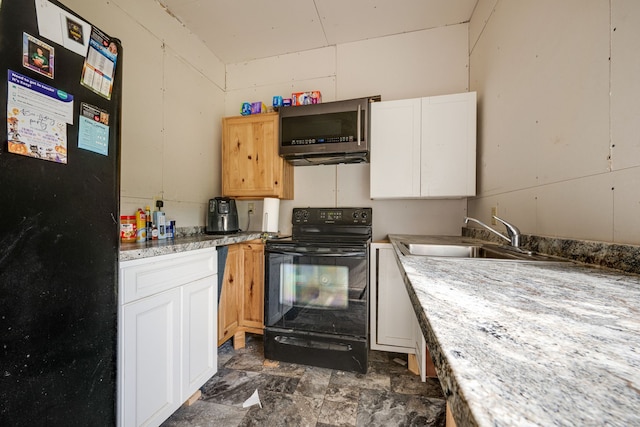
[[147, 212], [171, 229], [128, 228], [258, 107], [141, 226]]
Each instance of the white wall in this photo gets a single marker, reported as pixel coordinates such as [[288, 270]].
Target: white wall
[[173, 98], [559, 153], [422, 63]]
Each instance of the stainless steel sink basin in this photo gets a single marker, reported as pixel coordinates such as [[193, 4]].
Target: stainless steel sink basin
[[493, 252], [458, 251]]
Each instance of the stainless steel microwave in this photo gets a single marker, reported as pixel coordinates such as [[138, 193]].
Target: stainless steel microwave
[[326, 133]]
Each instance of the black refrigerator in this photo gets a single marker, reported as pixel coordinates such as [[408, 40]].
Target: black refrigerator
[[60, 109]]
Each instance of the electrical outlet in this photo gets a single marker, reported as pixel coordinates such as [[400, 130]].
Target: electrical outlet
[[494, 211], [251, 208]]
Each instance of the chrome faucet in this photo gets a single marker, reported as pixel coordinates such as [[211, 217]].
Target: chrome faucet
[[512, 230]]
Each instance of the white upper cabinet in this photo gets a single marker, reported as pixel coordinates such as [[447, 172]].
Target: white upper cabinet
[[424, 147]]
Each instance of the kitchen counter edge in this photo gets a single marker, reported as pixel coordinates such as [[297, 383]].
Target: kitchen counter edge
[[132, 251]]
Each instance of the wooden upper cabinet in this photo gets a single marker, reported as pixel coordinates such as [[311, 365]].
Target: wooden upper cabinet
[[251, 166]]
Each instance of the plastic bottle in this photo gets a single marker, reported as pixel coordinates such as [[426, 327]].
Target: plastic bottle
[[141, 225], [147, 212]]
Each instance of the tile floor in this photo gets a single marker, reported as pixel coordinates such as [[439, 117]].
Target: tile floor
[[299, 395]]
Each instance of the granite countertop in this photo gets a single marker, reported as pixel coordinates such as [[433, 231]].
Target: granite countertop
[[131, 251], [521, 344]]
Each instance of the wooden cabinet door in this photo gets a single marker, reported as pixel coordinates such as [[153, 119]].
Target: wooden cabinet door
[[251, 165], [252, 309], [229, 295]]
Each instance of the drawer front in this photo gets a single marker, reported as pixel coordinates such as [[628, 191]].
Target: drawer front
[[149, 276]]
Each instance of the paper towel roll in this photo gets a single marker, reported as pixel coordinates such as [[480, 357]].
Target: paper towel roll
[[270, 215]]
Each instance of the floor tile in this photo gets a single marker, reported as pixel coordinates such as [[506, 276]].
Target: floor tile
[[314, 382], [283, 410], [206, 414], [338, 413], [385, 408]]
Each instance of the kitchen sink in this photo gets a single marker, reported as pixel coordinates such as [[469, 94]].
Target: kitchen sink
[[494, 252], [458, 251]]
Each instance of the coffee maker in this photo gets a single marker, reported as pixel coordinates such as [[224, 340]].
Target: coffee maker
[[222, 216]]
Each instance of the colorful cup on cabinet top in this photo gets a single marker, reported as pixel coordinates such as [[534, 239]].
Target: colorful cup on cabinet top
[[246, 109]]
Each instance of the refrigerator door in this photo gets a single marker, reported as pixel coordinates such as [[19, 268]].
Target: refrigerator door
[[59, 231]]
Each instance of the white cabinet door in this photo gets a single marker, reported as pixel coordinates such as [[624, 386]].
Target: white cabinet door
[[150, 391], [199, 334], [392, 315], [448, 156], [395, 148]]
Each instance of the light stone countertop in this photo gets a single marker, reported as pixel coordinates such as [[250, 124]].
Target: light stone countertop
[[527, 344], [131, 251]]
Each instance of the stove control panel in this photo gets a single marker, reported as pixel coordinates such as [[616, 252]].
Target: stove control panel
[[338, 216]]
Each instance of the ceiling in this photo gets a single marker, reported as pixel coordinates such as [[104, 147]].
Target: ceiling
[[242, 30]]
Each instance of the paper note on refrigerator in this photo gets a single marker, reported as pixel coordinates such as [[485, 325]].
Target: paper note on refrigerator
[[37, 117], [62, 27]]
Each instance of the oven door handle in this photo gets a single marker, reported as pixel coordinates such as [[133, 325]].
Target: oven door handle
[[319, 254]]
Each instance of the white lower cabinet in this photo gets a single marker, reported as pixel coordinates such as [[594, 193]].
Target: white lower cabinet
[[393, 326], [420, 347], [392, 317], [167, 333]]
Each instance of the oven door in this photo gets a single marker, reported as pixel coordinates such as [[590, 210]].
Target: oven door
[[319, 289]]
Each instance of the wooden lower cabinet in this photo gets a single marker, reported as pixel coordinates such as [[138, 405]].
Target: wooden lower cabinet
[[228, 305], [241, 307]]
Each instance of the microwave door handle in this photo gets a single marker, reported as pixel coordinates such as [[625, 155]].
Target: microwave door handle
[[358, 124]]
